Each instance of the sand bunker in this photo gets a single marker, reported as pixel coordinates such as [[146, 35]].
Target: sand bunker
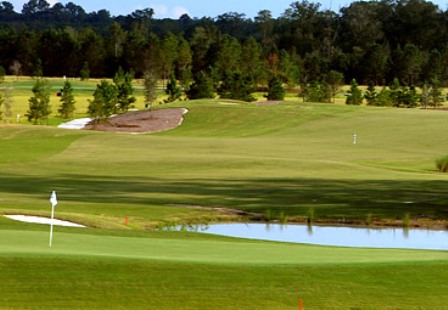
[[76, 123], [42, 220]]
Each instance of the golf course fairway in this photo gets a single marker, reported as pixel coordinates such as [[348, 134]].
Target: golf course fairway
[[287, 162]]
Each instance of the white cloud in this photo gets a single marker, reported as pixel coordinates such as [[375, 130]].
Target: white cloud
[[160, 10], [163, 11], [52, 2], [178, 11]]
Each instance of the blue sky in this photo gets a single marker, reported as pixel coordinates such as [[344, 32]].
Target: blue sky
[[197, 8]]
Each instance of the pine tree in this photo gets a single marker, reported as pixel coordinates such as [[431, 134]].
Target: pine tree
[[172, 90], [425, 97], [2, 74], [2, 101], [370, 95], [150, 80], [435, 93], [275, 89], [104, 101], [6, 102], [235, 86], [201, 88], [334, 79], [123, 84], [354, 96], [39, 104], [67, 107], [396, 93], [85, 71]]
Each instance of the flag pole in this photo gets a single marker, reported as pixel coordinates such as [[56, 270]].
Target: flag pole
[[51, 224], [54, 202]]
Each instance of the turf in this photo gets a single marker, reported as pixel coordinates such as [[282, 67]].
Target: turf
[[96, 271], [285, 159]]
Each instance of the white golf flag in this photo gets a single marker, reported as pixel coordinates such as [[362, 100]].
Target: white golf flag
[[54, 202], [53, 199]]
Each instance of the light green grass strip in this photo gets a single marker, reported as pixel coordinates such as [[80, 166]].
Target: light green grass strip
[[203, 251]]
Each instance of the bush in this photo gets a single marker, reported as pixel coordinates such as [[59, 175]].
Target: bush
[[442, 164], [275, 90]]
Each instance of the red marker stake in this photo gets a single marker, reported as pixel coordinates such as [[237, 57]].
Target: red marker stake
[[300, 304], [126, 221]]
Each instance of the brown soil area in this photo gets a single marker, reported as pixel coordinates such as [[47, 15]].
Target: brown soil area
[[141, 121]]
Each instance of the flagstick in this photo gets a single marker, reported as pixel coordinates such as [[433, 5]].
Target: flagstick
[[54, 202], [51, 224]]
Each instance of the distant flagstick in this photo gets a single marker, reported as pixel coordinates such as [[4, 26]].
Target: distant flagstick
[[54, 202]]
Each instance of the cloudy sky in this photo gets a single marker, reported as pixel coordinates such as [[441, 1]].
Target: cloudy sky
[[197, 8]]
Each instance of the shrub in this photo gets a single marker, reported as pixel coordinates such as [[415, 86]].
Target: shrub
[[275, 90], [354, 95], [442, 164]]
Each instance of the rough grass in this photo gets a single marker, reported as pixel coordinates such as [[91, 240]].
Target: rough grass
[[442, 164]]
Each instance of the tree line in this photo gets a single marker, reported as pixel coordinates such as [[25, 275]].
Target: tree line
[[373, 42]]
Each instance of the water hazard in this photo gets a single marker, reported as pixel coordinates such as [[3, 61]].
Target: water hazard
[[399, 238]]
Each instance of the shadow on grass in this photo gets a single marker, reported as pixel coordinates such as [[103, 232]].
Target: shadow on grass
[[328, 198]]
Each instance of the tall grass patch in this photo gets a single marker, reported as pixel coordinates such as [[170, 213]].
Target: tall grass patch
[[442, 163]]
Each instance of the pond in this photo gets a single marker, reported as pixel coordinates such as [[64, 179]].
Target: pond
[[400, 238]]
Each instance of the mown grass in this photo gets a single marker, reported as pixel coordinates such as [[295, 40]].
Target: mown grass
[[180, 271], [291, 160], [288, 159]]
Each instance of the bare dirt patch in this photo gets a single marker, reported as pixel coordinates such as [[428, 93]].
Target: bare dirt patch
[[141, 121]]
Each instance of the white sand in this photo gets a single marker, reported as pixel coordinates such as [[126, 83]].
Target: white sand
[[42, 220], [79, 123]]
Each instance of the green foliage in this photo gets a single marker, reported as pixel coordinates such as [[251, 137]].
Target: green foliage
[[85, 71], [6, 95], [173, 91], [383, 99], [435, 93], [67, 107], [335, 80], [425, 95], [123, 84], [409, 97], [38, 70], [39, 105], [275, 89], [371, 95], [316, 92], [442, 164], [354, 95], [2, 74], [104, 101], [310, 216], [150, 82], [236, 86], [2, 101], [403, 97], [406, 220], [202, 87]]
